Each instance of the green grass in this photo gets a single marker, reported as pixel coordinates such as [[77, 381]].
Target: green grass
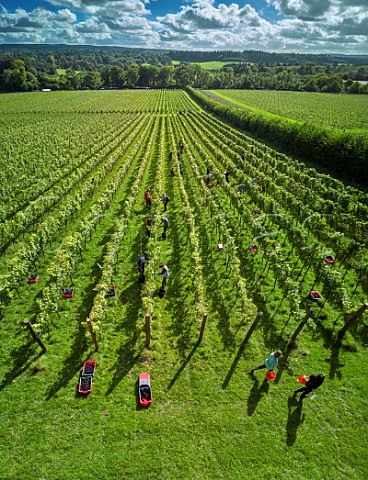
[[214, 65], [210, 419]]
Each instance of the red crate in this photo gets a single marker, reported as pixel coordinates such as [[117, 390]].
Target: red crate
[[85, 384], [33, 278], [144, 389]]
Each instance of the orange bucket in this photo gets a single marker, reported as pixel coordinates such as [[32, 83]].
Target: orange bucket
[[270, 375], [303, 379]]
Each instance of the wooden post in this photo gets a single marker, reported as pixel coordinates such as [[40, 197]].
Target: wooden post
[[148, 329], [35, 335], [298, 330], [204, 320], [93, 333], [353, 318]]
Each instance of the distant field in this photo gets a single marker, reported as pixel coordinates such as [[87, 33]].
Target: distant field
[[206, 65], [62, 71], [336, 111], [212, 65]]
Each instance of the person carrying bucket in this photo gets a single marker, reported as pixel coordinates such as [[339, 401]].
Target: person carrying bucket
[[271, 361], [313, 382]]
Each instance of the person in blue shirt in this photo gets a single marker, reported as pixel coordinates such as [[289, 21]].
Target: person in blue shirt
[[271, 361]]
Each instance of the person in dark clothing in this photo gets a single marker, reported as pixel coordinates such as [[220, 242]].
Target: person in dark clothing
[[165, 274], [227, 175], [140, 264], [148, 225], [181, 168], [165, 200], [312, 384], [148, 198], [165, 224]]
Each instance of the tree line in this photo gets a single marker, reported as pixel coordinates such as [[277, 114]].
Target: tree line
[[82, 68]]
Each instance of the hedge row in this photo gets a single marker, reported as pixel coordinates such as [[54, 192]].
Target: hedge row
[[345, 153]]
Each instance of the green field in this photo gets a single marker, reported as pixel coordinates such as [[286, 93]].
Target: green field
[[344, 112], [214, 65], [74, 167]]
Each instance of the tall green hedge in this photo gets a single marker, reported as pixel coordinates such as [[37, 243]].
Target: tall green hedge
[[345, 153]]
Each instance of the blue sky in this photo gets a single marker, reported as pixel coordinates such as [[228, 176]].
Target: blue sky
[[306, 26]]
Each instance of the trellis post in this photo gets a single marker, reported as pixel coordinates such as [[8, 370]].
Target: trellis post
[[35, 335], [203, 325], [148, 329]]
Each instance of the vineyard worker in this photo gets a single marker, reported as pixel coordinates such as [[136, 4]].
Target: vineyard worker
[[241, 188], [140, 264], [227, 174], [254, 180], [165, 200], [314, 381], [148, 198], [165, 224], [165, 274], [148, 225], [271, 361], [208, 177], [181, 168]]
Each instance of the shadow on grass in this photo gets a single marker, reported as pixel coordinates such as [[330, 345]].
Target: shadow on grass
[[236, 359], [183, 365], [126, 356], [295, 419], [126, 359], [180, 297], [21, 358], [256, 394], [335, 364]]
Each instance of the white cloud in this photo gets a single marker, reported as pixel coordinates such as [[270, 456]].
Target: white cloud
[[39, 19], [105, 8], [328, 26], [203, 15]]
